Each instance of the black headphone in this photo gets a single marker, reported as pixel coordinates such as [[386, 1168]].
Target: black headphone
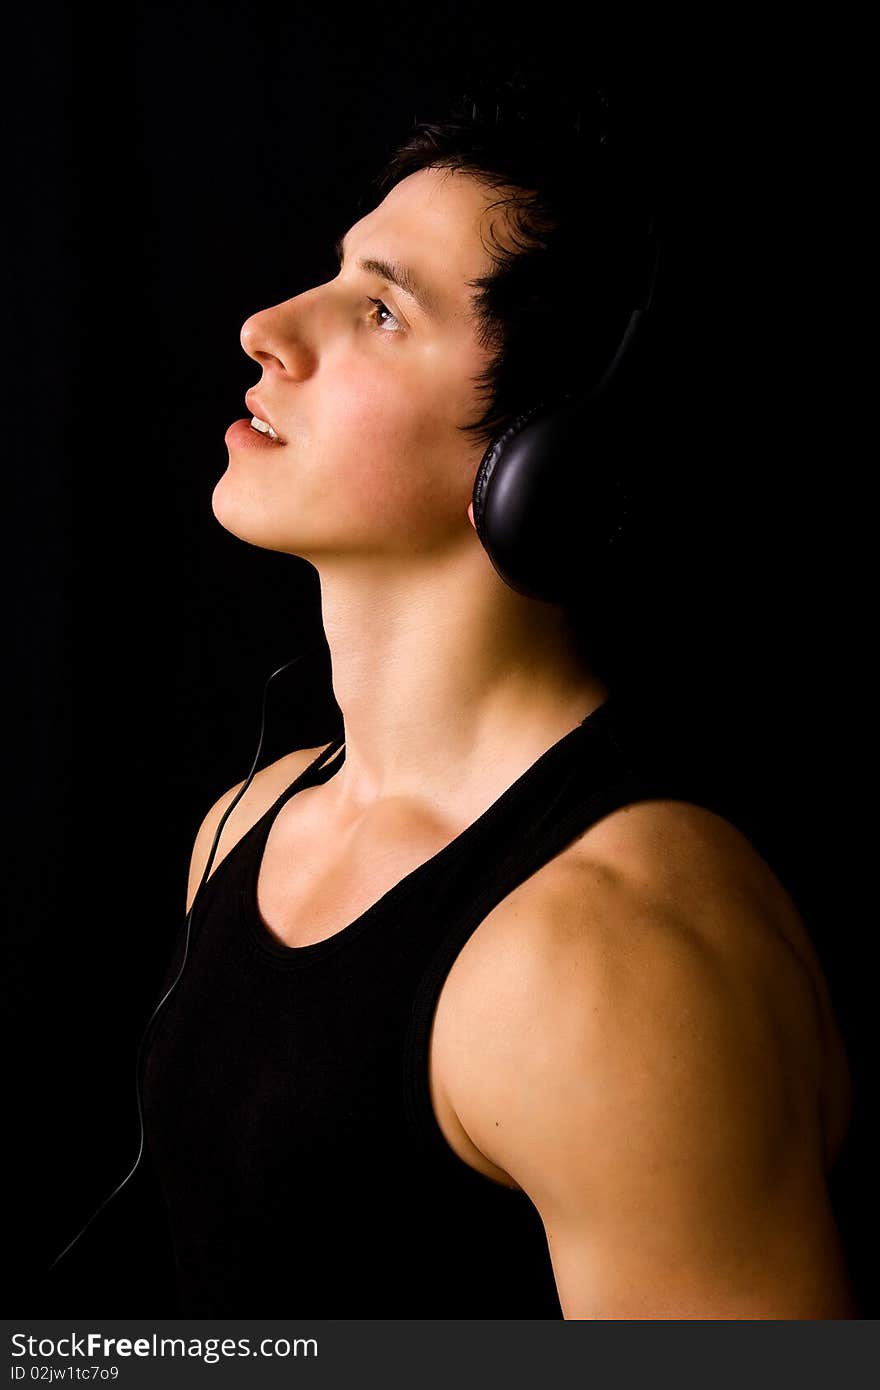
[[550, 494], [539, 522]]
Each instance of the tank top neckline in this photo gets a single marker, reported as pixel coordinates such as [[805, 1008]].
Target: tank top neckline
[[278, 952]]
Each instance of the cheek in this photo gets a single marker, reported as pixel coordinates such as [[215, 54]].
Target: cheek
[[395, 448]]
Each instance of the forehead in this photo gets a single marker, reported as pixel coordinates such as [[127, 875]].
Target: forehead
[[434, 221]]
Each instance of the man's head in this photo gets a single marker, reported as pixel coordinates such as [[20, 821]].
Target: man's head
[[367, 387], [524, 224]]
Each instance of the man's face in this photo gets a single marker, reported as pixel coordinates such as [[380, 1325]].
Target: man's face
[[367, 396]]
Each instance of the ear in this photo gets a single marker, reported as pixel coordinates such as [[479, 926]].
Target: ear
[[471, 514]]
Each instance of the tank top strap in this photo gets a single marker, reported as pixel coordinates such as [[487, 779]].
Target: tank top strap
[[320, 769], [322, 763]]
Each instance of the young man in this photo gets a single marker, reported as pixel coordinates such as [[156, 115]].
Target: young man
[[487, 1022]]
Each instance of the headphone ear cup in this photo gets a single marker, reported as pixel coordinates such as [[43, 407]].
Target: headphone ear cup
[[488, 464], [550, 499]]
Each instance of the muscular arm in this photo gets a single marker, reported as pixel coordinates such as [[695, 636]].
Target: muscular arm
[[651, 1086]]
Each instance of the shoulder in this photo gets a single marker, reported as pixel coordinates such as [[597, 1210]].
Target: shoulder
[[659, 926], [265, 788], [645, 875], [649, 1066]]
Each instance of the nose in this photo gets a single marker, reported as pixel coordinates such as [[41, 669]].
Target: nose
[[277, 336]]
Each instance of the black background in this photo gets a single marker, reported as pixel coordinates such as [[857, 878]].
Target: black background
[[171, 170]]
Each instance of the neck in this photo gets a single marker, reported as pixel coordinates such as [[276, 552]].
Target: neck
[[443, 686]]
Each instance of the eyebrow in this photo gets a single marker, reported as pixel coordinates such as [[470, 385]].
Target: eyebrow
[[396, 274]]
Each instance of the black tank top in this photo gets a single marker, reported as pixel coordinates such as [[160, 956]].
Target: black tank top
[[286, 1103]]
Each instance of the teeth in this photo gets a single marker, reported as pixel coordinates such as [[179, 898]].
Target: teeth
[[263, 426]]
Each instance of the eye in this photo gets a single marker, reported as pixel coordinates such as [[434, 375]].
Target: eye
[[380, 306]]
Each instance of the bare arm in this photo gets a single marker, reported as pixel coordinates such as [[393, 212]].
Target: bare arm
[[654, 1094]]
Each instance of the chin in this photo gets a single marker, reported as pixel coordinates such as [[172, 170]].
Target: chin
[[252, 525], [234, 518]]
